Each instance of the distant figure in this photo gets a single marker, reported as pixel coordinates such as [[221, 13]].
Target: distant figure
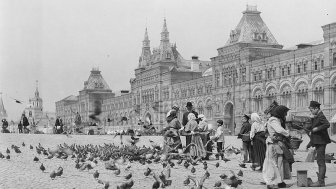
[[97, 111], [78, 122], [5, 126], [20, 127], [25, 123], [59, 125]]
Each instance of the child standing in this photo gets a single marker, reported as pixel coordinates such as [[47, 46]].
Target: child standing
[[219, 137]]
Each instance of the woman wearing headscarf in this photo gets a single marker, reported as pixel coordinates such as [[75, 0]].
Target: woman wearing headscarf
[[171, 135], [197, 149], [258, 139], [274, 167]]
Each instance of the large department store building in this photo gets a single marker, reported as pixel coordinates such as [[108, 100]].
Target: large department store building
[[250, 71]]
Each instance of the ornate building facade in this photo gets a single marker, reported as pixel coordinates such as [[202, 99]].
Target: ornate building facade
[[250, 71]]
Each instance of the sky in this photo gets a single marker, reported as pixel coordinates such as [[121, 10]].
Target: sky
[[59, 42]]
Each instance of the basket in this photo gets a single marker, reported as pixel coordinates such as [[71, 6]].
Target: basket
[[295, 143], [295, 139]]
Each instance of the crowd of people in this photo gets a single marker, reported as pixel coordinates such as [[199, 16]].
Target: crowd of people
[[22, 127], [265, 141]]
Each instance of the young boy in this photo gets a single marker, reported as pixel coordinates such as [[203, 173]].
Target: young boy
[[219, 137]]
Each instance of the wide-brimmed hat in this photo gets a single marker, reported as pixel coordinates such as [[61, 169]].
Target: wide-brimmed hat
[[189, 104]]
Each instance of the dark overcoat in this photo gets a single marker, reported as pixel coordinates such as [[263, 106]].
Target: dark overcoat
[[320, 136]]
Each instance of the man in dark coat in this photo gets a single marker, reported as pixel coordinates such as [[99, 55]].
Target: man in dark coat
[[25, 123], [319, 138], [185, 121], [5, 126], [244, 134]]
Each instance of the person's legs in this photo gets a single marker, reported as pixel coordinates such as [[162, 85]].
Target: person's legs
[[219, 149], [188, 141], [320, 158], [245, 151]]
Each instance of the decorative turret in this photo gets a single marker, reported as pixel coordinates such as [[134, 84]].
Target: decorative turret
[[252, 29], [164, 36], [144, 59], [37, 94]]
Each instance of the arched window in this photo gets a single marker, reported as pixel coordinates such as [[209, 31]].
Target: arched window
[[315, 65], [322, 64], [283, 71], [298, 69], [304, 67], [289, 72], [334, 59]]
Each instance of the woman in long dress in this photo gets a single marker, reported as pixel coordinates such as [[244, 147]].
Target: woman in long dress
[[196, 149], [171, 135], [273, 167], [258, 139]]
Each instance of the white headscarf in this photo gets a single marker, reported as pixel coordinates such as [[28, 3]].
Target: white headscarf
[[191, 116], [255, 118]]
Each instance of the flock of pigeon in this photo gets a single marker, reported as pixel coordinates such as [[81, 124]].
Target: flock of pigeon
[[86, 157]]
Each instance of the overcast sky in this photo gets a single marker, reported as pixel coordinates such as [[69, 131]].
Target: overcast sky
[[59, 42]]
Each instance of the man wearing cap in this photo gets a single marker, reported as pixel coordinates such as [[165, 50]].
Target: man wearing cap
[[244, 134], [319, 138], [185, 121]]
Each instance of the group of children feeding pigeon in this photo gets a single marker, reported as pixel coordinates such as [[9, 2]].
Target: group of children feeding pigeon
[[197, 133]]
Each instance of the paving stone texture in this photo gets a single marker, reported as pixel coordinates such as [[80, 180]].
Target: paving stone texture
[[22, 172]]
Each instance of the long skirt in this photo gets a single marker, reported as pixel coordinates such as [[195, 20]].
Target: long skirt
[[273, 165], [259, 149], [198, 149]]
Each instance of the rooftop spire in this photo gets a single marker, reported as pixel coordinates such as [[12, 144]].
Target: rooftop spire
[[146, 41], [164, 34], [37, 94]]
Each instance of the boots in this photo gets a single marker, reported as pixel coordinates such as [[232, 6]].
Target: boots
[[320, 175]]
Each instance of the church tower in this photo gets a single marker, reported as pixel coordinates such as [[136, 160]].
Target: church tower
[[3, 113], [164, 43], [35, 109], [144, 59]]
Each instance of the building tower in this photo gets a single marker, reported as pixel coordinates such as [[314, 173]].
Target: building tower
[[3, 113], [164, 42], [35, 109], [144, 59]]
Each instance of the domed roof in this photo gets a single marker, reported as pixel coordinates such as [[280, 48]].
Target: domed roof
[[207, 72]]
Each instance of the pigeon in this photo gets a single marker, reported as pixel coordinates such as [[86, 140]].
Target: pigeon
[[186, 182], [147, 172], [36, 159], [240, 173], [8, 156], [96, 174], [8, 151], [193, 170], [42, 167], [217, 164], [23, 144], [156, 185], [128, 176], [31, 147], [242, 165], [223, 176], [186, 164], [218, 184], [207, 174], [1, 155], [52, 175], [164, 164], [179, 161], [59, 171], [117, 172], [77, 166]]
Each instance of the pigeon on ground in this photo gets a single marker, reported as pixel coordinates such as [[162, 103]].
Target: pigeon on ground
[[42, 167], [117, 172], [23, 144], [193, 170], [52, 175], [31, 147], [128, 176], [217, 164], [96, 174], [8, 151], [36, 159]]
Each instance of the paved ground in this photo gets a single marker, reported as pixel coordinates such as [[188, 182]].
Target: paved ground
[[21, 172]]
